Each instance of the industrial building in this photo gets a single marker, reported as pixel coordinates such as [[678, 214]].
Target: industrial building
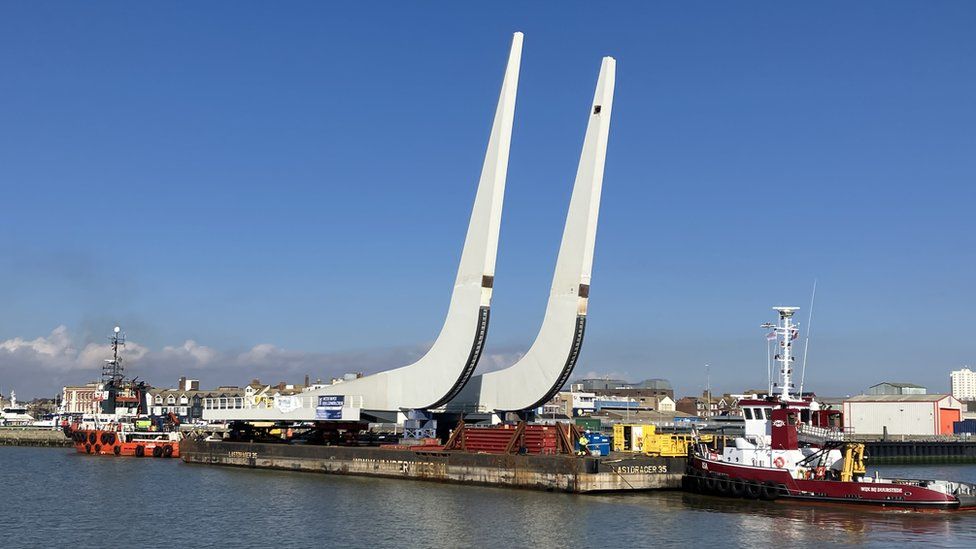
[[892, 388], [923, 415]]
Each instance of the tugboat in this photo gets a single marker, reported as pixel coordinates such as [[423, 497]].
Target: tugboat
[[793, 448], [121, 427]]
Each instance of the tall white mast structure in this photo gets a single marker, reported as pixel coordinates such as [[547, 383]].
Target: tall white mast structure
[[443, 371], [548, 363], [786, 332]]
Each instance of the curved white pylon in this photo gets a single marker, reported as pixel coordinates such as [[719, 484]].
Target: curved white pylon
[[547, 365], [438, 376]]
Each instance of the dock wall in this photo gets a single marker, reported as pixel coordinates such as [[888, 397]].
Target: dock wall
[[908, 452], [20, 436]]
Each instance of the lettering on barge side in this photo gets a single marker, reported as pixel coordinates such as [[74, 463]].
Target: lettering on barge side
[[640, 469], [242, 455]]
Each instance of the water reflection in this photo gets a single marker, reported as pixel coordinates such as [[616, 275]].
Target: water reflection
[[69, 500]]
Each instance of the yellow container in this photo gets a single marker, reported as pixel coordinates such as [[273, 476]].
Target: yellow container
[[644, 439]]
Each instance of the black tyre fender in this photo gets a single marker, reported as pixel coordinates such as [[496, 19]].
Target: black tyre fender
[[117, 450], [753, 490], [157, 451], [168, 451], [103, 438], [88, 448], [140, 451], [737, 487], [98, 448], [722, 485], [109, 439], [91, 437], [711, 483]]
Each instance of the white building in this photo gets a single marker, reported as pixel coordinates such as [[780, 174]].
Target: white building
[[665, 404], [901, 414], [963, 384]]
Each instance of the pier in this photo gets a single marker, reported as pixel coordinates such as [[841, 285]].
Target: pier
[[27, 436]]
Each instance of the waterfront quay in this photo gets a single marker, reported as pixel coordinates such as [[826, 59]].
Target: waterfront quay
[[28, 436], [554, 473]]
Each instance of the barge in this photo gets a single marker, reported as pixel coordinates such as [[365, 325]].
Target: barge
[[554, 473]]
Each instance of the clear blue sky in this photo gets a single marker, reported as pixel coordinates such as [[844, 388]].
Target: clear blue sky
[[300, 174]]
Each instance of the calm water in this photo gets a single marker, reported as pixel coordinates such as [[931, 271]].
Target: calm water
[[54, 497]]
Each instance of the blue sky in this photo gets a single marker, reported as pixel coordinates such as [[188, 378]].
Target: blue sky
[[297, 178]]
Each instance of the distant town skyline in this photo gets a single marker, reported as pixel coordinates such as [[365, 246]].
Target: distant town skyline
[[266, 193]]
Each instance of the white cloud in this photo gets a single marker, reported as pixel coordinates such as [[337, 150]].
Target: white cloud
[[40, 366]]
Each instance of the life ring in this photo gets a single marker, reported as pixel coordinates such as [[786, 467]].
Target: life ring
[[117, 450], [157, 451], [168, 451], [779, 462], [140, 451]]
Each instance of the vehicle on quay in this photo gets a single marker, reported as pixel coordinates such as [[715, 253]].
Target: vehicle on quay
[[122, 427], [794, 448]]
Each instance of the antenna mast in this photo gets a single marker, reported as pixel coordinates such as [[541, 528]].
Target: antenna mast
[[112, 370], [786, 331], [806, 341]]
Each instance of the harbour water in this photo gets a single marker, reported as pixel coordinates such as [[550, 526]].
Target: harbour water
[[55, 497]]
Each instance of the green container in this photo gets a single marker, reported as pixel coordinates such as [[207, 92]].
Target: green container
[[589, 423]]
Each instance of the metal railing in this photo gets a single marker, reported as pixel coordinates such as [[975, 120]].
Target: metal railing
[[284, 403]]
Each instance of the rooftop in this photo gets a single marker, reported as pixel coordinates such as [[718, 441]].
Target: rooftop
[[896, 398]]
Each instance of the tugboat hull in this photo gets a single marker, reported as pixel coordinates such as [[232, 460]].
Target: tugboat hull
[[711, 476], [109, 443]]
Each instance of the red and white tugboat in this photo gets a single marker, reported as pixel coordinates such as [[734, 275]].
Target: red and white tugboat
[[792, 448], [122, 427]]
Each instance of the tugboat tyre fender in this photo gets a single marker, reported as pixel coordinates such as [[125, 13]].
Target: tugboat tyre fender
[[736, 488], [168, 451], [769, 491], [753, 490], [711, 483], [157, 451], [98, 448], [109, 439], [140, 451], [91, 437], [722, 485], [117, 450], [87, 448], [103, 438]]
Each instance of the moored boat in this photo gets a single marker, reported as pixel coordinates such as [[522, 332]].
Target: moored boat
[[122, 427], [793, 448]]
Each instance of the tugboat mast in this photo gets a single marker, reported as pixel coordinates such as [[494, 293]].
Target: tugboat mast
[[786, 332], [112, 370]]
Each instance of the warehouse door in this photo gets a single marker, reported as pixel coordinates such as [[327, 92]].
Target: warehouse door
[[946, 417]]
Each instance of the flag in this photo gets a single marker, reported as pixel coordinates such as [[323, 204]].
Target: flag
[[796, 334], [771, 336]]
